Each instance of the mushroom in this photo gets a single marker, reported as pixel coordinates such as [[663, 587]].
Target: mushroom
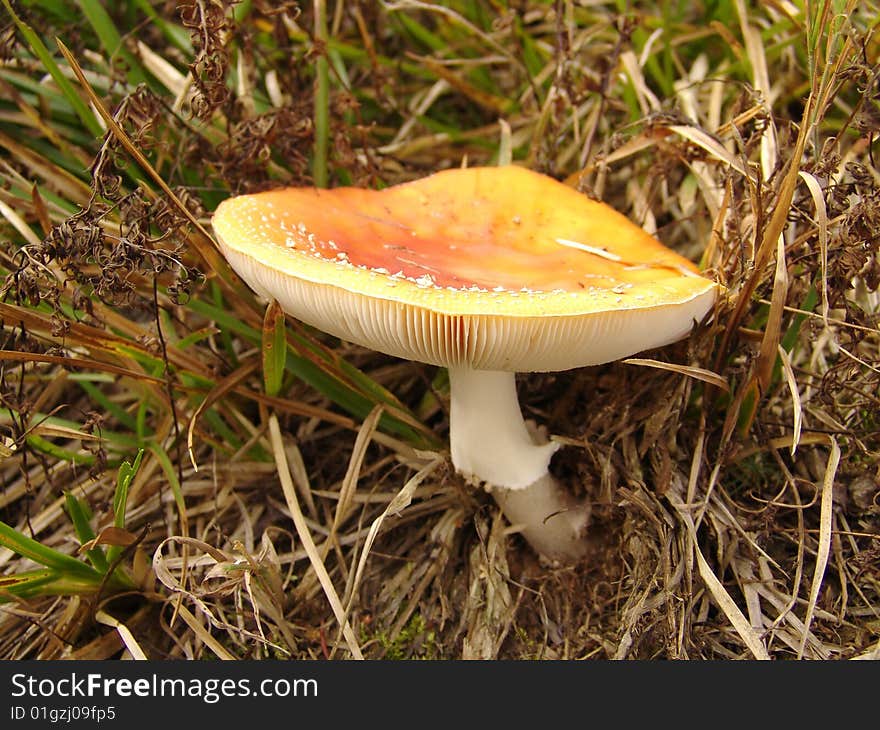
[[487, 271]]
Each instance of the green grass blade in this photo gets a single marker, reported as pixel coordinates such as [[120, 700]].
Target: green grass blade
[[421, 34], [79, 516], [114, 409], [124, 477], [39, 48], [45, 582], [170, 474], [126, 474], [274, 348], [322, 99], [44, 446], [110, 39], [26, 584], [174, 34], [34, 550]]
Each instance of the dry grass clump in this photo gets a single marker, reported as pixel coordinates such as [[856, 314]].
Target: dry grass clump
[[221, 503]]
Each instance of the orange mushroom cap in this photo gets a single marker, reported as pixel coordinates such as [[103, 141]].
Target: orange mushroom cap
[[494, 268]]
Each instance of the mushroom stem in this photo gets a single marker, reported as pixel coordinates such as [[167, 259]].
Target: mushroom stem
[[488, 437], [553, 522], [491, 444]]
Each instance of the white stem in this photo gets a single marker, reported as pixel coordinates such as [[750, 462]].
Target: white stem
[[487, 434], [491, 444]]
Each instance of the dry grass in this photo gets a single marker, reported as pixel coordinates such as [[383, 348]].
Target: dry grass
[[734, 477]]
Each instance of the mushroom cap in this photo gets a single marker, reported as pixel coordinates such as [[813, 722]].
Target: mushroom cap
[[495, 268]]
